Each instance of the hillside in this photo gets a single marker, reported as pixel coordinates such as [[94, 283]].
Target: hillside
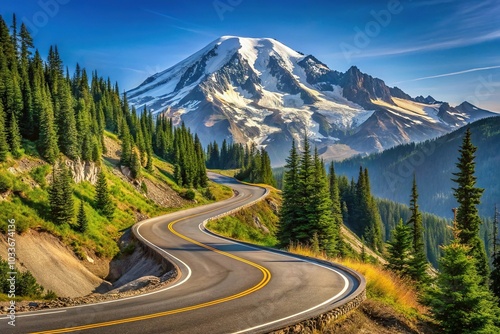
[[93, 259], [433, 163]]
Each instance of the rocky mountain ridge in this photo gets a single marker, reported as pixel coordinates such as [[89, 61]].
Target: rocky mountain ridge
[[259, 90]]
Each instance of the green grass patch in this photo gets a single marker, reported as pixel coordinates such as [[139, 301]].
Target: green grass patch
[[226, 172], [111, 135], [39, 174], [256, 224]]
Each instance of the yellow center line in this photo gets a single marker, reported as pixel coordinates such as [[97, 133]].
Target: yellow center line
[[265, 279]]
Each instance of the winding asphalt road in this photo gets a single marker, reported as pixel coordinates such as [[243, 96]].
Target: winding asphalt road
[[224, 286]]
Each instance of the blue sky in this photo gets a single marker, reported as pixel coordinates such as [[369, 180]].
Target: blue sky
[[449, 49]]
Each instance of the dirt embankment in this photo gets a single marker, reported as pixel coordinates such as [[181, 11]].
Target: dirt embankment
[[53, 264], [77, 282]]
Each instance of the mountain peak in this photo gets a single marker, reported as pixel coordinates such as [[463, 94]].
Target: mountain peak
[[258, 90]]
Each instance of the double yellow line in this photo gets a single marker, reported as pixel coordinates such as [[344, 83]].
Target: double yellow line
[[266, 277]]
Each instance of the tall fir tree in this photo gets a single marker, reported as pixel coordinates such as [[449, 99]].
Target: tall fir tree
[[468, 197], [336, 208], [126, 151], [418, 262], [14, 137], [305, 194], [82, 223], [291, 202], [458, 301], [320, 213], [495, 272], [4, 147], [61, 195], [399, 249], [47, 142], [103, 201], [65, 117], [135, 165]]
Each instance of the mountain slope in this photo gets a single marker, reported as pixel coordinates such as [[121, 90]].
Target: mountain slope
[[259, 90], [433, 163]]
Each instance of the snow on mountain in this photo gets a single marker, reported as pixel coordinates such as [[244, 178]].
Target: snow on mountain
[[259, 90]]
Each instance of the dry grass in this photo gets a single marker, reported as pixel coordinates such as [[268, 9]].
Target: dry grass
[[381, 284], [386, 286]]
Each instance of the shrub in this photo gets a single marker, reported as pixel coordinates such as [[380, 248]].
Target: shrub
[[39, 174], [189, 194], [209, 195], [6, 183]]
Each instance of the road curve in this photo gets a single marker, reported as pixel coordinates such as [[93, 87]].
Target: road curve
[[224, 286]]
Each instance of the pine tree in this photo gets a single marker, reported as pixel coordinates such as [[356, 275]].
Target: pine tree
[[320, 213], [126, 154], [305, 194], [103, 201], [289, 208], [418, 262], [14, 137], [135, 165], [82, 223], [4, 147], [61, 195], [495, 273], [47, 143], [459, 302], [336, 208], [65, 117], [399, 249], [468, 197]]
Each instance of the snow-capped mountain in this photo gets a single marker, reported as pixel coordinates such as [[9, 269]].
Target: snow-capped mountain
[[259, 90]]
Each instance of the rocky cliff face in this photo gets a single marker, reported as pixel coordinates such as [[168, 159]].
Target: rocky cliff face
[[83, 170]]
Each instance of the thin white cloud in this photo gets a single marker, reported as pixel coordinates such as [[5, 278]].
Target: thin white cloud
[[450, 74], [186, 26], [450, 44]]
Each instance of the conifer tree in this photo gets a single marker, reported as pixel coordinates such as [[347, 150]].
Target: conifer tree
[[14, 137], [4, 147], [399, 249], [291, 201], [68, 139], [418, 261], [458, 301], [468, 197], [82, 223], [305, 194], [103, 201], [135, 165], [336, 208], [28, 119], [126, 154], [321, 222], [495, 272], [61, 195], [47, 142]]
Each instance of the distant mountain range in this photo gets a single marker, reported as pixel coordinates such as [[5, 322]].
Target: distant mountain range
[[433, 162], [259, 90]]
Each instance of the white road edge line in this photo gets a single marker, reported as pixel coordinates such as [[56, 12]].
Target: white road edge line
[[32, 315], [346, 281], [36, 313], [188, 276]]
